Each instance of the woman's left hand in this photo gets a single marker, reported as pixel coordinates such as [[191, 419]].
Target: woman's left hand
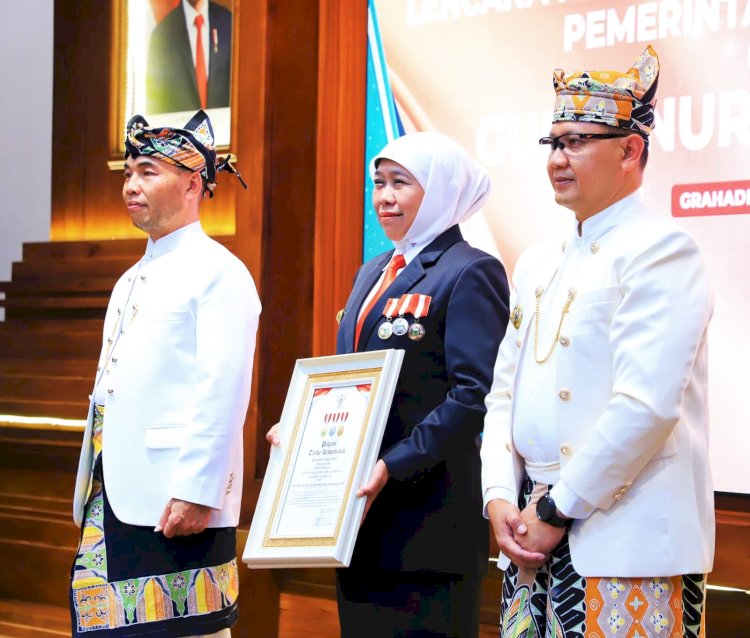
[[372, 488], [272, 436]]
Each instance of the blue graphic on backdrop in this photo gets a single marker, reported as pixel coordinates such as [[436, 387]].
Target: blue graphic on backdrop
[[382, 124]]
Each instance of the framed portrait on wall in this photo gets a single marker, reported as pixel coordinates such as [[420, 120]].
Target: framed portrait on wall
[[174, 57]]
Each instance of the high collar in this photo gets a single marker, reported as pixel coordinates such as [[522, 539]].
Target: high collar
[[169, 242], [596, 225]]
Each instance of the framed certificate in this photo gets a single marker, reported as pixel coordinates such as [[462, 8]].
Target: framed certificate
[[331, 428]]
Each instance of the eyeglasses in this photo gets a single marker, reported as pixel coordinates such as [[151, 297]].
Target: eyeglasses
[[573, 143]]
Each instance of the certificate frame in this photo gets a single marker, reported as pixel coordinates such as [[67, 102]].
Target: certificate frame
[[331, 428]]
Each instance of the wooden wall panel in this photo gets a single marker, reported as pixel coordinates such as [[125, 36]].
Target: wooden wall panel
[[81, 108], [249, 138], [287, 274], [342, 73]]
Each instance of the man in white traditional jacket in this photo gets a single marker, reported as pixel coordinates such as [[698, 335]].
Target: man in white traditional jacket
[[160, 478], [595, 453]]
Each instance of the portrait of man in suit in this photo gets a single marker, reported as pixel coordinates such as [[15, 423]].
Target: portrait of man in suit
[[189, 57]]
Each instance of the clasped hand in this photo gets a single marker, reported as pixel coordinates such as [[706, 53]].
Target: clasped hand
[[520, 535]]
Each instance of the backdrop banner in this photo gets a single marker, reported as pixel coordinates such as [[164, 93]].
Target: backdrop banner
[[481, 72]]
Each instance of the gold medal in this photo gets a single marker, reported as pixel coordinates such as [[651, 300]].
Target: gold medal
[[516, 316], [385, 330]]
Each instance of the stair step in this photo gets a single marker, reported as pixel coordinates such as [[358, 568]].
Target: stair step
[[13, 630], [45, 325], [45, 269], [52, 303], [42, 367], [54, 409], [17, 341], [85, 285], [53, 315], [96, 249], [21, 619], [46, 387], [35, 251]]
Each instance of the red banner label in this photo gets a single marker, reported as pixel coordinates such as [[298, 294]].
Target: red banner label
[[717, 198]]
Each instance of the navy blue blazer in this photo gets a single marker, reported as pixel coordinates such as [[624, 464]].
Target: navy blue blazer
[[170, 74], [429, 514]]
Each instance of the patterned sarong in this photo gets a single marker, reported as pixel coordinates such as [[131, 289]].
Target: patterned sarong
[[131, 581], [556, 602]]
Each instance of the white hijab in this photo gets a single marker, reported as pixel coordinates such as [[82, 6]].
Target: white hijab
[[455, 186]]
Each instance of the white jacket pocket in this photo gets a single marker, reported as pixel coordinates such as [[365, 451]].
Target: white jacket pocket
[[161, 437], [668, 449]]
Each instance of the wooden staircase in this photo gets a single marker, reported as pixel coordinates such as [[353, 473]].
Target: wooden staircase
[[51, 336]]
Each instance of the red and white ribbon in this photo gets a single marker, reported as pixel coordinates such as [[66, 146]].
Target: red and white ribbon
[[390, 308], [404, 305], [410, 304], [423, 306]]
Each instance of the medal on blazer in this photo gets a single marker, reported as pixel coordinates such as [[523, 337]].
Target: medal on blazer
[[385, 330], [516, 316], [419, 308], [416, 331], [401, 325]]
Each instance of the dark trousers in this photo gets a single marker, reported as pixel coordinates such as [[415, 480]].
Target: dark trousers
[[376, 604]]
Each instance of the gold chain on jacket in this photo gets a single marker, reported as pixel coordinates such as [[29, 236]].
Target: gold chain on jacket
[[566, 308]]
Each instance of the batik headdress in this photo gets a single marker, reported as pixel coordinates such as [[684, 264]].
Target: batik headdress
[[625, 100], [191, 147]]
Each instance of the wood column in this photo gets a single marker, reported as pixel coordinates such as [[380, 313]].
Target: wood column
[[305, 246]]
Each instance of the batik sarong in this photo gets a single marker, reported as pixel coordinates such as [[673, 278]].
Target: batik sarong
[[130, 581], [556, 602]]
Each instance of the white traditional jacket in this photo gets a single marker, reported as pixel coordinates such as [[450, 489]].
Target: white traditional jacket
[[174, 378], [630, 409]]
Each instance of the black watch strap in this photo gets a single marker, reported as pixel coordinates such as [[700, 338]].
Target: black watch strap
[[546, 511]]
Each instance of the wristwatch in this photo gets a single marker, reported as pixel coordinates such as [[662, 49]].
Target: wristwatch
[[546, 511]]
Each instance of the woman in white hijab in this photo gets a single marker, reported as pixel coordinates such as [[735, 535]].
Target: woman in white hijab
[[422, 548]]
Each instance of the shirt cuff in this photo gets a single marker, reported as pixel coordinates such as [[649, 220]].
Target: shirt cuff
[[494, 493], [569, 503]]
